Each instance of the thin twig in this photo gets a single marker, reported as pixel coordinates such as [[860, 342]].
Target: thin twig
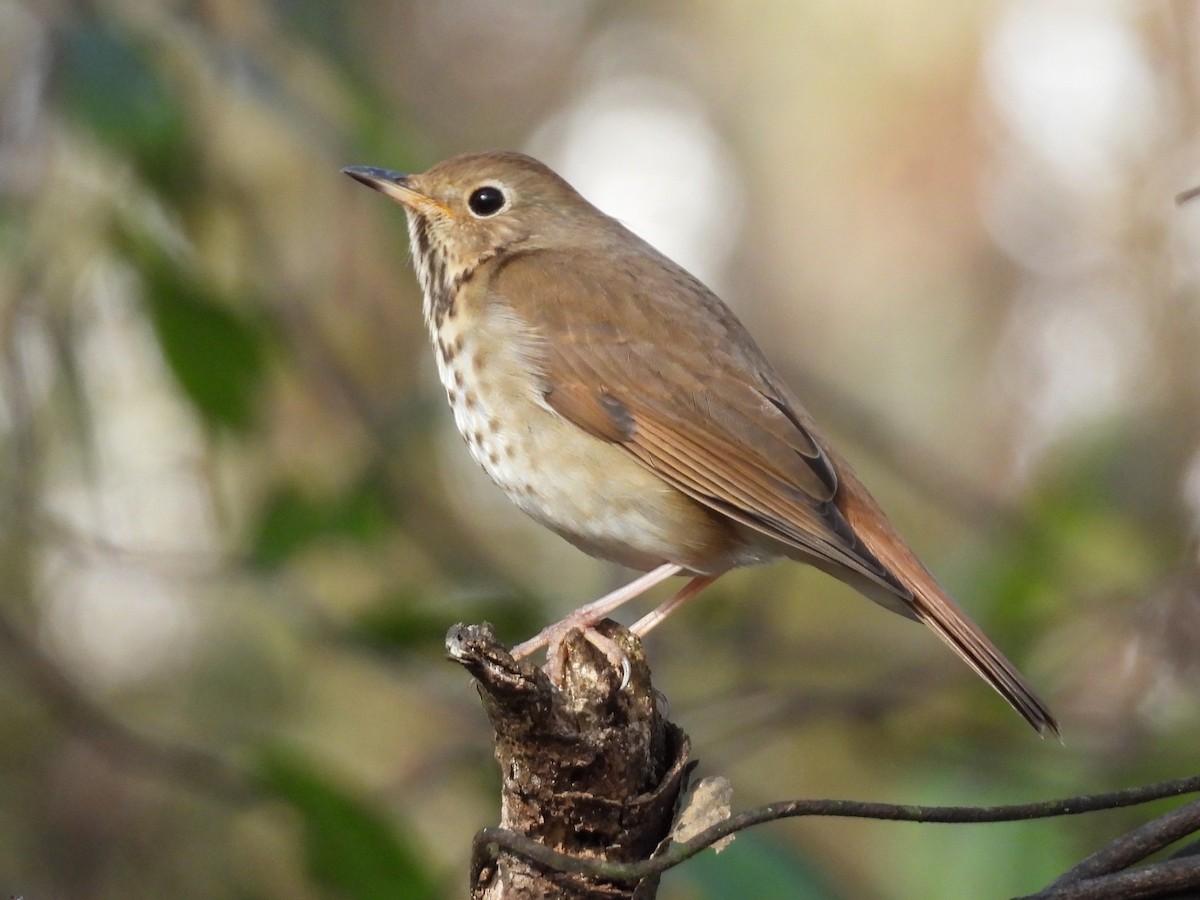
[[495, 839], [1136, 845], [1184, 196], [1164, 879]]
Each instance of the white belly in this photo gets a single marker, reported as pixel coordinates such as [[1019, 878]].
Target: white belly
[[589, 491]]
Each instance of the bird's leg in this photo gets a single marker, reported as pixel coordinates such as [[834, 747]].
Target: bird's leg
[[651, 619], [585, 619]]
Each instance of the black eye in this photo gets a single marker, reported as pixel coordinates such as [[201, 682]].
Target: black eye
[[486, 201]]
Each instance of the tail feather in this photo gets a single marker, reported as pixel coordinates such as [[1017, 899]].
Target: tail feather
[[932, 606], [929, 603], [935, 608]]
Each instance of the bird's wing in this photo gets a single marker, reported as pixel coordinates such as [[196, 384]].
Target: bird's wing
[[646, 357]]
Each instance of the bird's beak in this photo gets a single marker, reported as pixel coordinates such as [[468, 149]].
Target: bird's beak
[[395, 185]]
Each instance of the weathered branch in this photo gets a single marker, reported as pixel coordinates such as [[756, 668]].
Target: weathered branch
[[1136, 845], [592, 776], [1177, 878], [590, 769], [959, 815]]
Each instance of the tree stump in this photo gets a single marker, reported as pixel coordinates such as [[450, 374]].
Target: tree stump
[[589, 768]]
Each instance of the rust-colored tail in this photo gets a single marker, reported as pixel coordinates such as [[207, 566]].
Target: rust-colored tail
[[935, 608], [930, 604]]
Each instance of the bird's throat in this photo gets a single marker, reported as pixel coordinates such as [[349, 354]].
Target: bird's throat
[[437, 285]]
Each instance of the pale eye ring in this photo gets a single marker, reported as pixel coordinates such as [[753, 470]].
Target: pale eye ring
[[486, 201]]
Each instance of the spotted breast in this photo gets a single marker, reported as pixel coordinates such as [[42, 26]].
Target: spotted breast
[[587, 490]]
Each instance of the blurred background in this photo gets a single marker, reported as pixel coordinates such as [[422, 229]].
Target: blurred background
[[236, 520]]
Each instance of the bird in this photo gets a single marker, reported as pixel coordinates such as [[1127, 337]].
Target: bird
[[620, 403]]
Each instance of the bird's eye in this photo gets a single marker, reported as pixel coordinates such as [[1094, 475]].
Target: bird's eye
[[486, 201]]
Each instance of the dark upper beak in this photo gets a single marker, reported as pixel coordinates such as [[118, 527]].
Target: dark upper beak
[[395, 185], [371, 176]]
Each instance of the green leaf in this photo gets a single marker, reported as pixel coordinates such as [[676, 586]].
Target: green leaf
[[110, 85], [291, 520], [217, 355], [350, 847]]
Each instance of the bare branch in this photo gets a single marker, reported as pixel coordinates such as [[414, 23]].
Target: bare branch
[[1136, 845], [1164, 879], [679, 853]]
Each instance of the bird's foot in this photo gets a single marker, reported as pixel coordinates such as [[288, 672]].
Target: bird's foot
[[586, 619], [554, 639]]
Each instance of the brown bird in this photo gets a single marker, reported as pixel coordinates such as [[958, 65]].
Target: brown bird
[[616, 400]]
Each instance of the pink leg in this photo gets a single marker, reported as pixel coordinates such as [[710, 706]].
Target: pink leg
[[686, 593], [587, 616]]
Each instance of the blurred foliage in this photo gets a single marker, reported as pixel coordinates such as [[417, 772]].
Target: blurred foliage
[[218, 356], [754, 865], [234, 515], [289, 521], [410, 621], [350, 847], [111, 86]]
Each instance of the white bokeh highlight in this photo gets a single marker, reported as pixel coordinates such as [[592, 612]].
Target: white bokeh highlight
[[644, 151], [1073, 84]]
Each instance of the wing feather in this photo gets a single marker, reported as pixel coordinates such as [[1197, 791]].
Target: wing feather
[[721, 432]]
